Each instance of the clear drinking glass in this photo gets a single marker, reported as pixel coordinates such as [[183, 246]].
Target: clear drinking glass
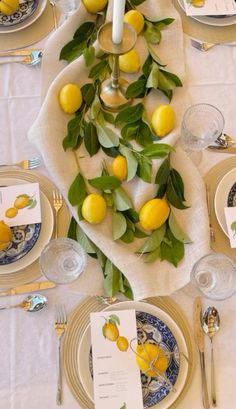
[[201, 126], [213, 276], [63, 260]]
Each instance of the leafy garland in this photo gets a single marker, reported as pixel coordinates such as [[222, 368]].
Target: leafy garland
[[89, 126]]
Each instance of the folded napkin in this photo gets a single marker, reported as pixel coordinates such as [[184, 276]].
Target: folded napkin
[[49, 129]]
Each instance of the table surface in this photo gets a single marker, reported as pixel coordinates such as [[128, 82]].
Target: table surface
[[28, 352]]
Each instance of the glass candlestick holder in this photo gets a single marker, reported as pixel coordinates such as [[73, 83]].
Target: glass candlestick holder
[[113, 89]]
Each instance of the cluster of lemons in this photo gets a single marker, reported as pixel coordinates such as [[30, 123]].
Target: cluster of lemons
[[8, 7], [111, 332], [155, 212]]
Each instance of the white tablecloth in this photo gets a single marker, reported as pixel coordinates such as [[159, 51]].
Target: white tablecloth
[[28, 353]]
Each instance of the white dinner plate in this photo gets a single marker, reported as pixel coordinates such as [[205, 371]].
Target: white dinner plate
[[212, 21], [44, 236], [27, 22], [224, 197], [85, 344]]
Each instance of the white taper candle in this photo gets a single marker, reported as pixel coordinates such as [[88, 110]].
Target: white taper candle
[[117, 22]]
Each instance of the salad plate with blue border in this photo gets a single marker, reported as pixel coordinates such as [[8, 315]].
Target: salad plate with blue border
[[26, 9]]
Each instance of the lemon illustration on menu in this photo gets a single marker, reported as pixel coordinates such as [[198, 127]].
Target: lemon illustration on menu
[[111, 332], [20, 202]]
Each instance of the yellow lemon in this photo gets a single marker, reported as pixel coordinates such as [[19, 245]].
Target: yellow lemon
[[11, 212], [110, 331], [150, 357], [198, 3], [135, 19], [21, 201], [94, 208], [93, 6], [8, 7], [119, 167], [153, 214], [129, 62], [70, 98], [122, 344], [5, 235], [163, 120]]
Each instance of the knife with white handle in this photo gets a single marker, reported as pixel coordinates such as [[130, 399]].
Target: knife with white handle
[[29, 288], [199, 337]]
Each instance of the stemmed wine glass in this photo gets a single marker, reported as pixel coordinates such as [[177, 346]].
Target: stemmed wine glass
[[202, 124]]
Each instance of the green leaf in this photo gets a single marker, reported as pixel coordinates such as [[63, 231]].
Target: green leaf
[[172, 196], [136, 2], [107, 137], [174, 253], [177, 183], [99, 71], [85, 242], [114, 318], [163, 172], [144, 135], [161, 191], [72, 139], [160, 20], [72, 50], [32, 204], [153, 255], [151, 33], [72, 231], [165, 83], [121, 200], [157, 150], [112, 279], [132, 163], [84, 31], [177, 230], [144, 170], [139, 233], [154, 240], [119, 225], [89, 55], [108, 117], [153, 79], [91, 139], [155, 57], [172, 77], [112, 152], [136, 88], [77, 191], [88, 92], [130, 114], [132, 215], [130, 131], [128, 237], [105, 182], [95, 109], [147, 66]]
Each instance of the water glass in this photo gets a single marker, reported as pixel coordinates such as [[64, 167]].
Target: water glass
[[63, 260], [201, 126], [214, 276]]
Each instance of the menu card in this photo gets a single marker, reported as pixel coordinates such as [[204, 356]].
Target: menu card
[[230, 216], [116, 376], [209, 7], [20, 204]]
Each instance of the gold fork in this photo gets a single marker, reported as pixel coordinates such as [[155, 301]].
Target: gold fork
[[57, 204], [212, 232], [60, 327], [25, 164]]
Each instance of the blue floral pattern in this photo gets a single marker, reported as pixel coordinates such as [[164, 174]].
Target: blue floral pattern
[[23, 240], [26, 9]]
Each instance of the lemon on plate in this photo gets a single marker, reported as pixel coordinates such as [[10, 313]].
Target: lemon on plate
[[119, 167], [129, 62], [5, 235], [163, 120], [93, 6], [153, 214], [151, 359], [9, 7], [94, 208], [135, 19], [70, 98]]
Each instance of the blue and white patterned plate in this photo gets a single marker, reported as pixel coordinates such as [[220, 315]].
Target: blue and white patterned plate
[[152, 330], [23, 240], [26, 9]]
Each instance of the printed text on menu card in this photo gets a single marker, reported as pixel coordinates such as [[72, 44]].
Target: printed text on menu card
[[210, 8], [20, 204], [116, 376]]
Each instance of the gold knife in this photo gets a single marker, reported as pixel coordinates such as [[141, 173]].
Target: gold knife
[[29, 288], [199, 336], [219, 149]]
